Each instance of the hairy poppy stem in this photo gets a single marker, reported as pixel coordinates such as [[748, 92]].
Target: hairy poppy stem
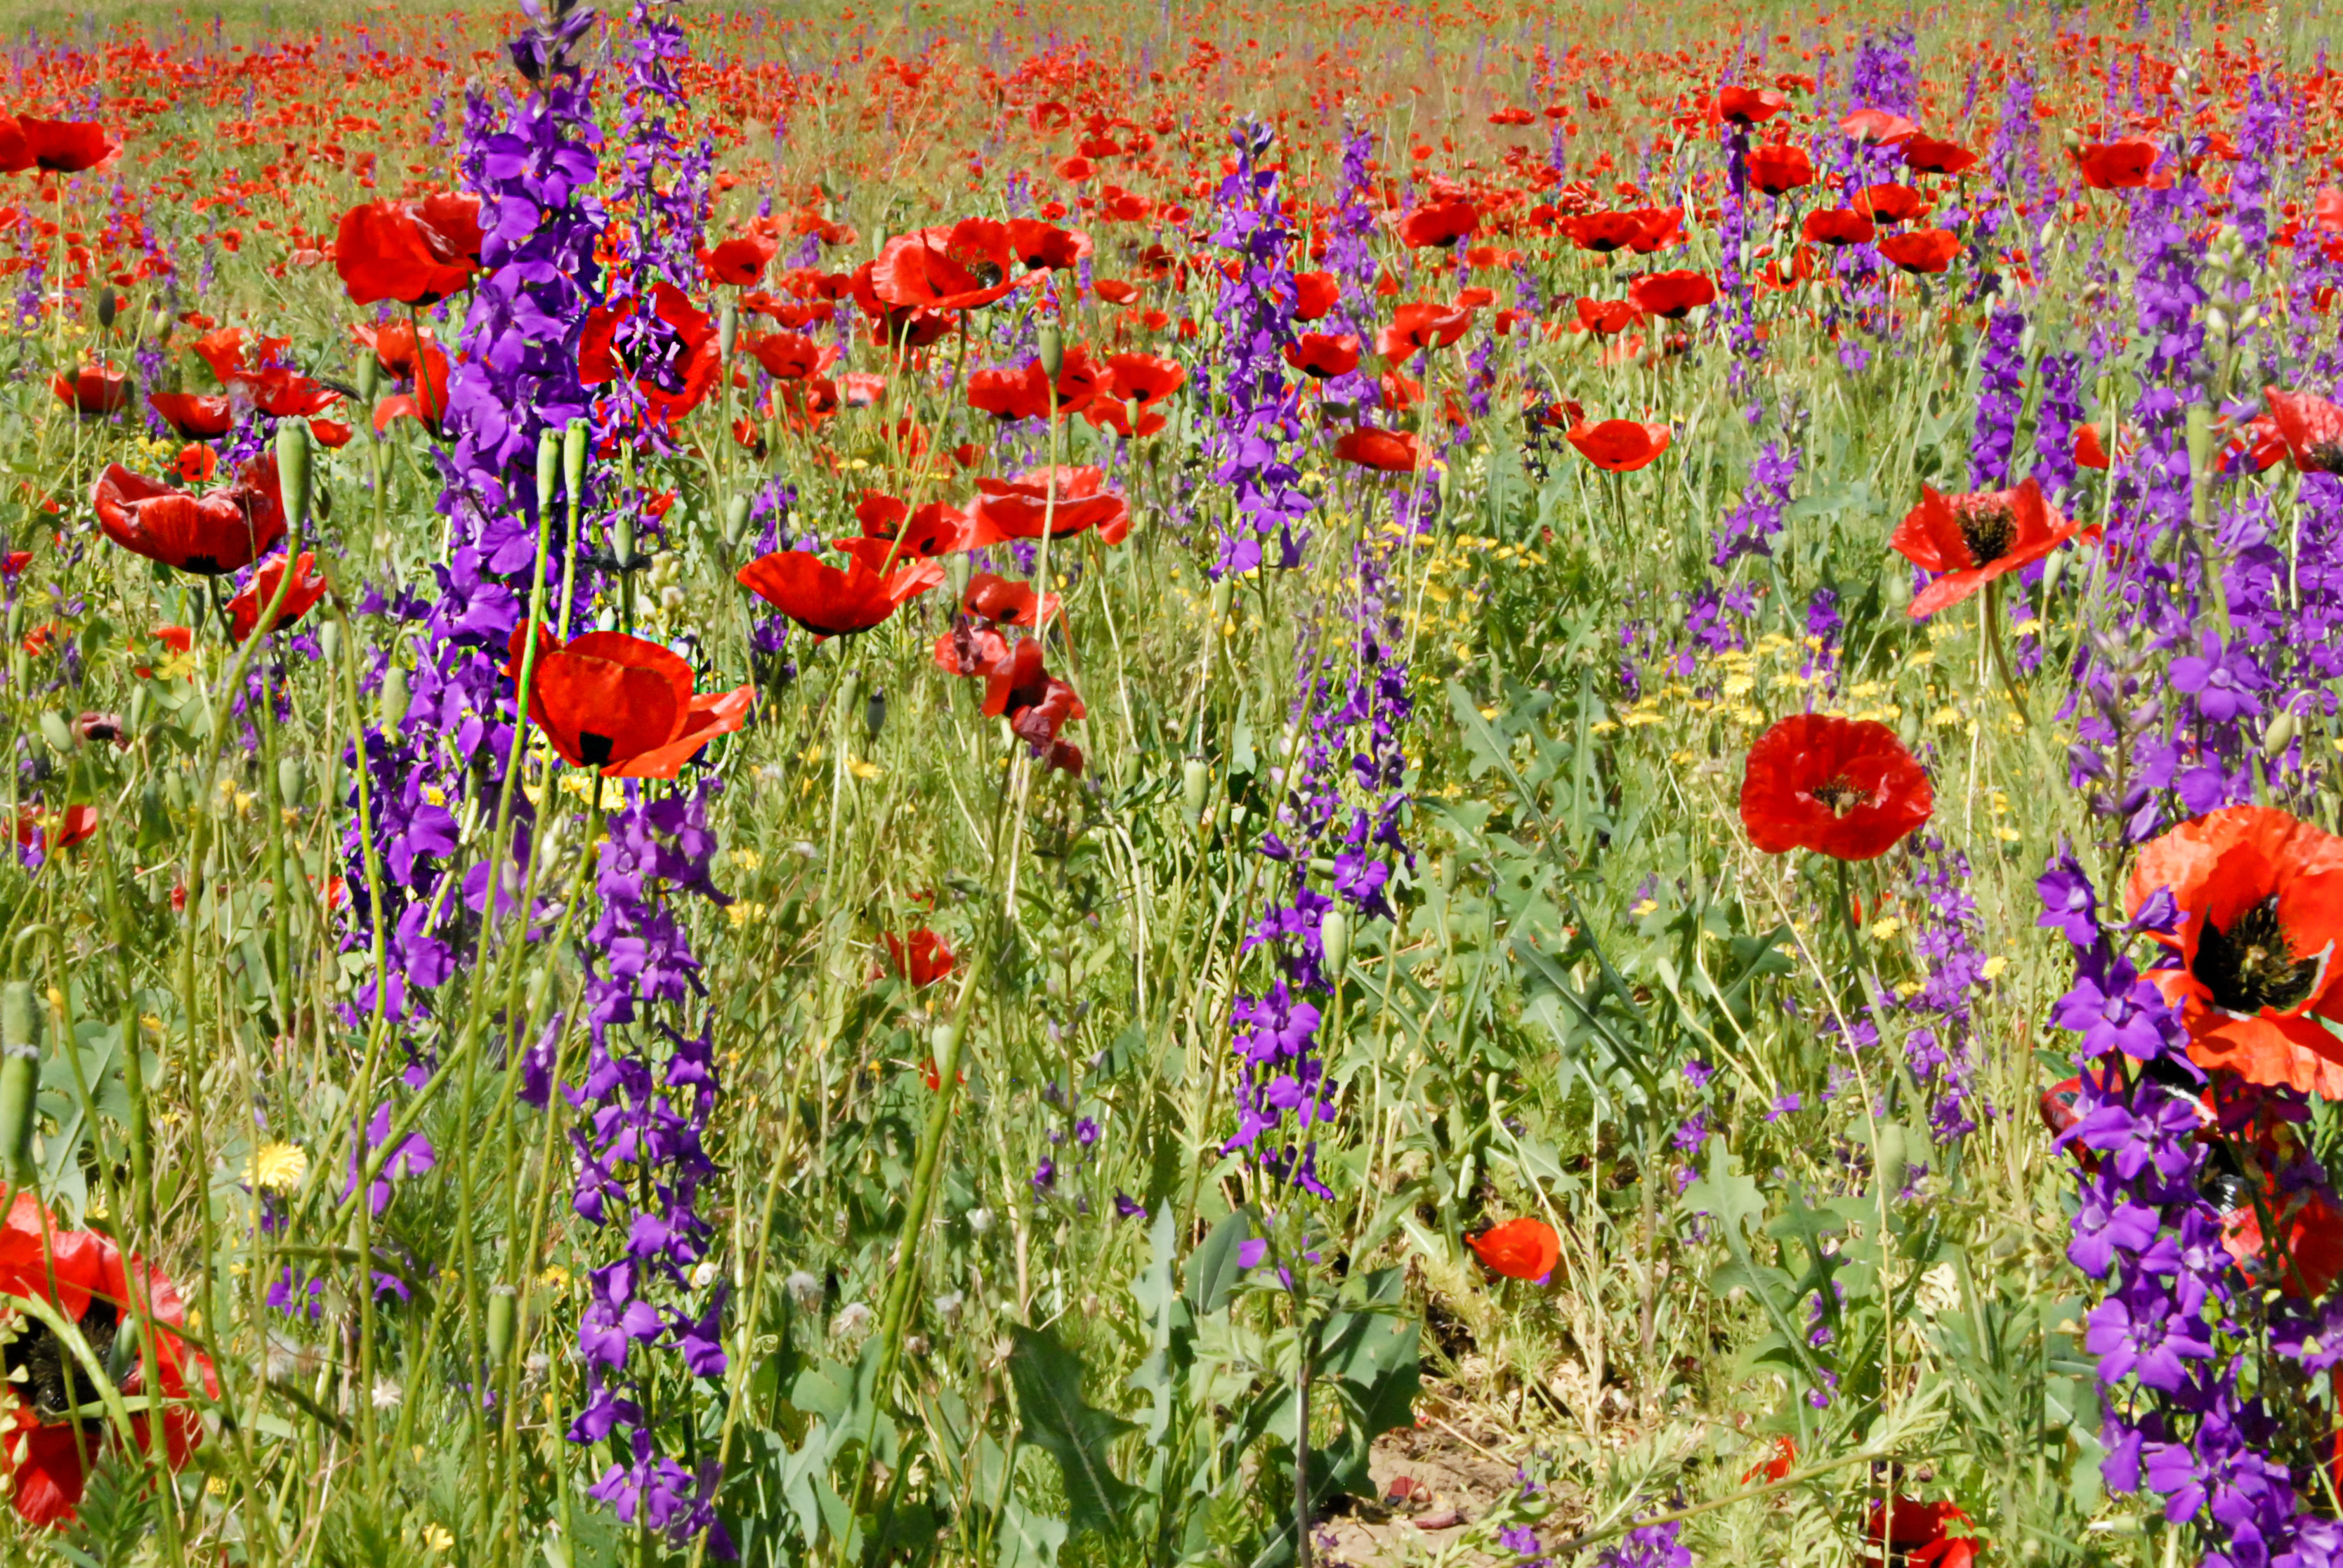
[[1992, 613]]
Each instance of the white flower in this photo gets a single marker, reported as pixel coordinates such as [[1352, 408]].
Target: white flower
[[387, 1394], [804, 1290], [853, 1319], [948, 1305], [980, 1221]]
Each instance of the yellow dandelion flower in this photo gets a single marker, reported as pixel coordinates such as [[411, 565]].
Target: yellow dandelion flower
[[1995, 967], [277, 1167]]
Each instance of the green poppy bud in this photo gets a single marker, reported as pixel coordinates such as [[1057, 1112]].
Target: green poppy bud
[[293, 468], [1053, 352], [106, 306], [874, 713], [1195, 779], [290, 779], [1890, 1150], [728, 329], [1223, 595], [1334, 938], [736, 521], [573, 461], [2279, 735], [500, 1323], [548, 465], [849, 691], [370, 379], [329, 641], [55, 731], [20, 1079], [394, 697], [622, 540]]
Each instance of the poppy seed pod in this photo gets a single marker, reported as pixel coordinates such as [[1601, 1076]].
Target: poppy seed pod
[[1334, 939], [1195, 779], [329, 646], [290, 781], [622, 541], [736, 521], [548, 465], [2279, 735], [874, 713], [293, 468], [1054, 352], [106, 306], [370, 379], [394, 697]]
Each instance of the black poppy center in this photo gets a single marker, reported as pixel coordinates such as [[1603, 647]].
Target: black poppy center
[[2325, 457], [205, 566], [2251, 966], [53, 1380], [1988, 531], [1842, 795], [594, 750]]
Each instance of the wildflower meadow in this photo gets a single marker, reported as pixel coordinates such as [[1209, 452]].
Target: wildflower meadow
[[1286, 784]]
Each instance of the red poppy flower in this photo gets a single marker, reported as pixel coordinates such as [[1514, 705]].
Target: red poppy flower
[[1877, 126], [2311, 427], [84, 1276], [959, 267], [1975, 538], [1009, 395], [245, 610], [920, 958], [1385, 451], [1319, 355], [1921, 250], [786, 355], [393, 345], [427, 404], [1604, 232], [1776, 1465], [1144, 378], [1606, 318], [1921, 1534], [997, 598], [900, 535], [1889, 202], [659, 342], [223, 531], [2088, 453], [49, 832], [1780, 167], [1931, 156], [619, 704], [196, 464], [1618, 446], [1837, 226], [1519, 1250], [829, 602], [1749, 105], [1421, 325], [2313, 1255], [2261, 905], [2116, 166], [1036, 704], [417, 254], [738, 262], [1314, 294], [1044, 246], [60, 146], [1021, 507], [1673, 295], [93, 391], [1441, 223], [1656, 228], [1844, 788], [192, 416]]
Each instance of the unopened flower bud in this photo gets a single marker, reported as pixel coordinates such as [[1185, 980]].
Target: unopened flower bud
[[394, 702], [1334, 938], [290, 781], [1054, 352], [293, 469], [1195, 779], [500, 1323], [548, 465], [2280, 734]]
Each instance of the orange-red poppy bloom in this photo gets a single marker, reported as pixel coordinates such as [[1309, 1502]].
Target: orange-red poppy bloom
[[785, 355], [59, 146], [1923, 1534], [2261, 914], [117, 1303], [1975, 538], [1673, 295], [1519, 1250], [1322, 356], [196, 464], [622, 705], [1007, 602], [1877, 126], [223, 531], [738, 262], [1385, 451], [959, 267], [1314, 294], [1619, 445], [829, 602], [669, 351], [93, 391], [1063, 501], [48, 832], [2116, 166], [1441, 223], [1889, 202], [1749, 105], [427, 404], [1837, 225], [1421, 325], [1845, 787], [192, 416], [244, 611], [414, 253], [2311, 427], [1780, 167], [1931, 156], [393, 344], [922, 958], [1921, 250]]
